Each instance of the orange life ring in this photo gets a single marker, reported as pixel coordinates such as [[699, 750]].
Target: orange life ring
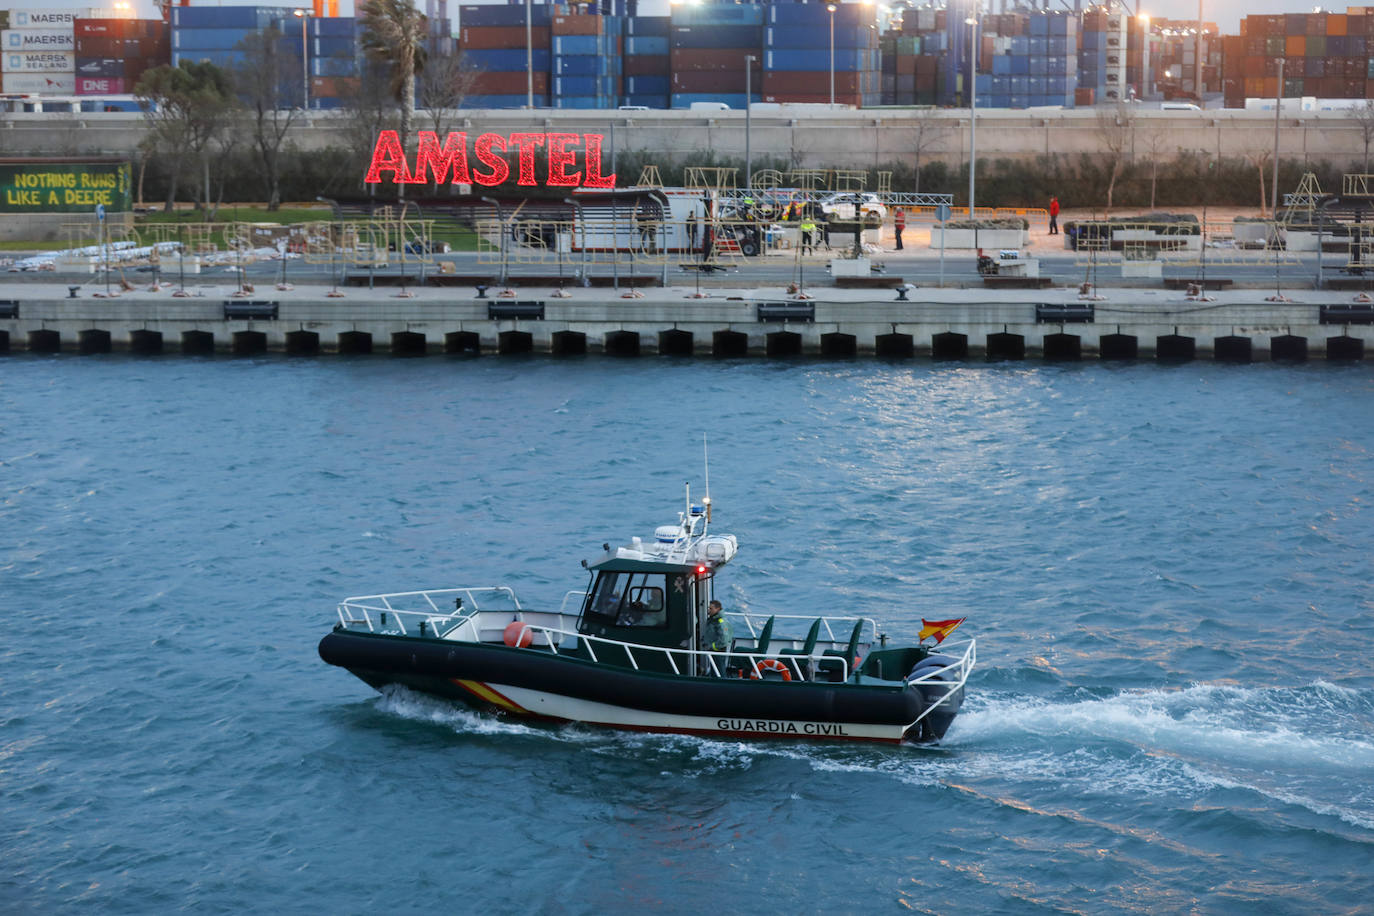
[[771, 664]]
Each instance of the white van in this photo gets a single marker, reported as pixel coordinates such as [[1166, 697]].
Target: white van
[[1178, 106], [709, 106]]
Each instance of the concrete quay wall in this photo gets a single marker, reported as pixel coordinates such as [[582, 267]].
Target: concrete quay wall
[[807, 139], [1125, 324]]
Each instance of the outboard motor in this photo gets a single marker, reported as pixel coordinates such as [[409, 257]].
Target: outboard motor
[[938, 687]]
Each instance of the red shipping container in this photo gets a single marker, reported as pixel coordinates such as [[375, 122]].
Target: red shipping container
[[713, 58], [491, 83], [99, 47], [647, 65], [501, 38], [102, 28], [726, 81], [99, 85], [811, 81], [803, 98], [578, 25]]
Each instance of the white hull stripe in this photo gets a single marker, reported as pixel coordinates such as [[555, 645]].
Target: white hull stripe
[[525, 701]]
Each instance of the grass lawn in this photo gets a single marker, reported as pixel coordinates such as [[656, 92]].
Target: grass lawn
[[458, 239]]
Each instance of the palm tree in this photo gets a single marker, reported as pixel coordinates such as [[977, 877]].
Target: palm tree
[[395, 33]]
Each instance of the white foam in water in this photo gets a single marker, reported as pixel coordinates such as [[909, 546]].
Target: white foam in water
[[420, 708]]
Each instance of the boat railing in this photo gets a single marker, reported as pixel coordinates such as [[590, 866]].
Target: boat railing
[[439, 610], [952, 677], [572, 601]]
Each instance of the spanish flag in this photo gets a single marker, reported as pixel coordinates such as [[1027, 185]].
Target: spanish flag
[[939, 628]]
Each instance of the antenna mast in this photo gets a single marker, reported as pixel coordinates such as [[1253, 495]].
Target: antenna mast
[[706, 461]]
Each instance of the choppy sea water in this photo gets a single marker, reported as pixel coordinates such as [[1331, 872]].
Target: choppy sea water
[[1167, 569]]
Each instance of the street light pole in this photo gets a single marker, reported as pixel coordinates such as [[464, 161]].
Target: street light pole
[[748, 112], [831, 8], [972, 22], [529, 57], [1278, 105], [303, 15]]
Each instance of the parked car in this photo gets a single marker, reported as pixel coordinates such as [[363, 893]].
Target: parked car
[[841, 206]]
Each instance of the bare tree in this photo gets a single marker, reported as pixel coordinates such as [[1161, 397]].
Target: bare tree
[[186, 108], [443, 86], [1115, 130], [1363, 116], [1155, 143], [269, 84], [367, 108], [928, 133], [1262, 161]]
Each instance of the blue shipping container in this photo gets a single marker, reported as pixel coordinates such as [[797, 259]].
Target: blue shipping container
[[337, 27], [1038, 66], [507, 60], [815, 14], [792, 38], [648, 26], [646, 85], [648, 101], [575, 85], [226, 59], [647, 45], [579, 44], [581, 65], [734, 100], [716, 36], [583, 101], [333, 66], [208, 39], [722, 15], [331, 47], [540, 15], [503, 101], [251, 18]]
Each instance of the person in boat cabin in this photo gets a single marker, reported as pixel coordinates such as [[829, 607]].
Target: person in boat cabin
[[717, 636]]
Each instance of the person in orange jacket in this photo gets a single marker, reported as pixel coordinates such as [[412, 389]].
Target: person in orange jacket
[[898, 224]]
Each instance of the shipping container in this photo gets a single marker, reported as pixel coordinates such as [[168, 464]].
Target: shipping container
[[714, 15], [497, 38], [209, 39], [245, 18], [721, 36], [656, 101], [733, 100], [815, 15], [102, 28], [582, 65], [646, 85], [713, 59], [576, 85], [578, 44], [100, 67], [504, 101], [60, 20], [37, 40], [793, 38], [509, 83], [100, 85], [505, 60], [647, 66], [809, 81], [49, 83], [582, 102], [807, 60], [333, 27], [718, 81], [808, 98], [39, 62], [648, 26], [578, 25], [646, 44]]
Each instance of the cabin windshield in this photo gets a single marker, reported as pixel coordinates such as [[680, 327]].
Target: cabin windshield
[[629, 600]]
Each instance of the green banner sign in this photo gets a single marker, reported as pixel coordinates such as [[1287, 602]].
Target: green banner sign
[[64, 187]]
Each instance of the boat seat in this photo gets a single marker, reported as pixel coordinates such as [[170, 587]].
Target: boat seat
[[808, 647], [759, 647], [830, 664]]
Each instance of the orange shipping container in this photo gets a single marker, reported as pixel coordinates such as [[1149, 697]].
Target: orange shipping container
[[578, 25], [500, 37], [1335, 23], [1295, 45]]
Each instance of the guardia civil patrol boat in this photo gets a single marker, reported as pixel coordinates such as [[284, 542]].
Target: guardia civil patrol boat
[[624, 653]]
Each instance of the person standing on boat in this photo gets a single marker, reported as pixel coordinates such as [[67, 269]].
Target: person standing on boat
[[717, 635]]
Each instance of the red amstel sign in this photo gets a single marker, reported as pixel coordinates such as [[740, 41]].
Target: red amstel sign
[[449, 162]]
